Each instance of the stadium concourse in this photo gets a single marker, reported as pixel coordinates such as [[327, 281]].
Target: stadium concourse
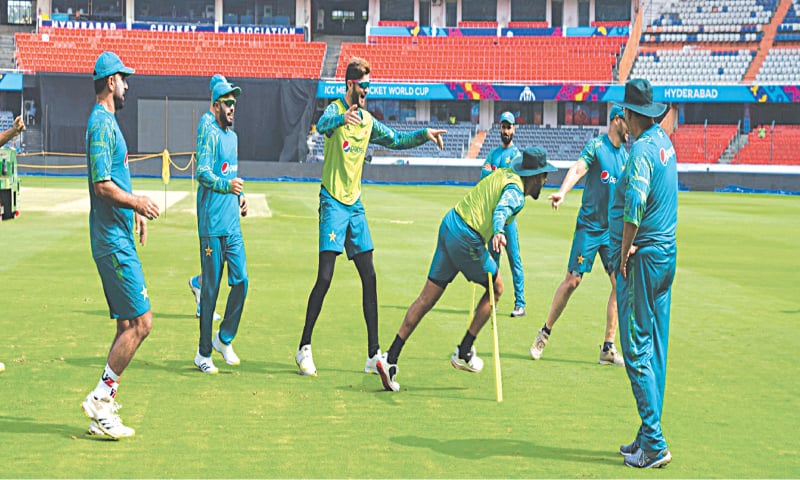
[[727, 70]]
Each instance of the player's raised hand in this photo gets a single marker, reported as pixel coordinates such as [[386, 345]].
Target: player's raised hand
[[237, 185], [19, 125], [435, 136], [556, 199], [352, 116], [146, 207]]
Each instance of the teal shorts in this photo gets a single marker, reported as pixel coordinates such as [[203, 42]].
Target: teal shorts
[[585, 247], [342, 227], [460, 249], [123, 284]]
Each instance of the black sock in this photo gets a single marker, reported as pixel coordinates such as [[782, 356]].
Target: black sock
[[545, 329], [465, 346], [608, 346], [394, 350]]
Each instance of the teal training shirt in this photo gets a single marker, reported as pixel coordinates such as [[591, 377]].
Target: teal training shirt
[[500, 157], [110, 227], [647, 195], [217, 165], [604, 163]]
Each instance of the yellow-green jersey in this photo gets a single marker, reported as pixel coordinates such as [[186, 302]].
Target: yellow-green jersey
[[346, 148], [493, 203]]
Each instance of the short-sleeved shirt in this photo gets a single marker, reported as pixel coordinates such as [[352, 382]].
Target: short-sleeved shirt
[[110, 227], [604, 163], [647, 195], [500, 157], [217, 166]]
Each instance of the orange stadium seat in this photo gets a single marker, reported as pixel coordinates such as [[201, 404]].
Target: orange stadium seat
[[193, 54]]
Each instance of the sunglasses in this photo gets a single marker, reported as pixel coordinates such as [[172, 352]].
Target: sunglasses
[[363, 85], [229, 102]]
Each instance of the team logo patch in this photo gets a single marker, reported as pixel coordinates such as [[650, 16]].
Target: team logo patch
[[605, 176], [125, 162], [346, 146], [665, 155], [225, 168]]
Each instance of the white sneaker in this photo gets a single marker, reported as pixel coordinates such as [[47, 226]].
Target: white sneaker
[[205, 364], [387, 372], [305, 361], [94, 429], [226, 350], [611, 357], [473, 363], [103, 412], [538, 345], [194, 285], [2, 367], [372, 363]]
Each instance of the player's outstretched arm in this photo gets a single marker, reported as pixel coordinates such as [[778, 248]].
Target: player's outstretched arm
[[574, 174], [435, 136], [141, 204]]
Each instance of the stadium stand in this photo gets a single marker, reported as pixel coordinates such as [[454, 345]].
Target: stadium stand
[[779, 146], [699, 41], [702, 143], [561, 143], [487, 59], [789, 29], [780, 65], [189, 54]]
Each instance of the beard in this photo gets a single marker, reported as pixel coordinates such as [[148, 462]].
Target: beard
[[506, 138], [222, 119], [119, 102]]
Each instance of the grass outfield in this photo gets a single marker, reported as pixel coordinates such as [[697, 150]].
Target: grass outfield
[[730, 407]]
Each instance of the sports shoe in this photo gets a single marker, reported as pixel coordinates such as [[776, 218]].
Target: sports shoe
[[2, 367], [103, 412], [538, 345], [388, 372], [518, 312], [194, 285], [472, 363], [305, 361], [611, 357], [94, 429], [630, 448], [226, 350], [372, 363], [205, 364], [642, 459]]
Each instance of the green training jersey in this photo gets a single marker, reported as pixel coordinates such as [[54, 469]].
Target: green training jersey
[[478, 206]]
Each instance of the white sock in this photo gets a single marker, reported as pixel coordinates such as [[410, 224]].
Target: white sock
[[108, 384]]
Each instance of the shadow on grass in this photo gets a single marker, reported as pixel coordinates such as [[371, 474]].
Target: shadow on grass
[[156, 315], [479, 448], [27, 426], [433, 312]]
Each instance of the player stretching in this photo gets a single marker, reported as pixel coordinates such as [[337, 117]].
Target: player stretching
[[348, 130], [601, 161], [115, 215], [479, 218], [501, 157], [220, 202]]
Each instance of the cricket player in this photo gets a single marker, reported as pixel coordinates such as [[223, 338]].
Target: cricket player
[[601, 162], [643, 220], [480, 218], [501, 157], [220, 203], [349, 129], [115, 215]]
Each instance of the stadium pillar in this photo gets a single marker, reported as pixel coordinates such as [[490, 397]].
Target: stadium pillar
[[129, 11], [486, 115]]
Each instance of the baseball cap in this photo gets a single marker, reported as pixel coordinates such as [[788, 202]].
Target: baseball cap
[[507, 117], [222, 87], [532, 162], [108, 63], [616, 111]]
